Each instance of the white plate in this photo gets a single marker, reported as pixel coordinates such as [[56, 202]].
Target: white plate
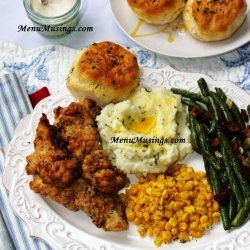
[[63, 229], [184, 45]]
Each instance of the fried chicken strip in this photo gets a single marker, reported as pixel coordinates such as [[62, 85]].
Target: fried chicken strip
[[106, 211], [78, 127], [51, 159], [103, 176]]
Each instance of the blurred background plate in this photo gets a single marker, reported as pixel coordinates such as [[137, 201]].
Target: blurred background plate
[[173, 40]]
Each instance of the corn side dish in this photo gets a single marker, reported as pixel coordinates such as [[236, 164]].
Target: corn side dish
[[176, 205]]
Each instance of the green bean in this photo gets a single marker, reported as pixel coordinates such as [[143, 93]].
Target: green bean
[[191, 95], [234, 185], [203, 86], [248, 109], [232, 206], [194, 134], [221, 94], [216, 114], [223, 107], [213, 162], [237, 117], [216, 185], [192, 104], [234, 163], [201, 135], [242, 214], [234, 109]]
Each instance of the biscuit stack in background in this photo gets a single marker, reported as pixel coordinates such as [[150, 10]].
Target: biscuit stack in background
[[105, 72], [206, 20]]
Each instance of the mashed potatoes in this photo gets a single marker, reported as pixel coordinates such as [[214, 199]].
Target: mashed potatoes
[[147, 132]]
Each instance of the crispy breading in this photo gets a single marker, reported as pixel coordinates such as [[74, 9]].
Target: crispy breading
[[78, 127], [64, 196], [51, 160], [105, 210], [103, 176]]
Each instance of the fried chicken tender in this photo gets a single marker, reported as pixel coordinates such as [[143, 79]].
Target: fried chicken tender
[[103, 176], [64, 196], [78, 127], [51, 159], [106, 211]]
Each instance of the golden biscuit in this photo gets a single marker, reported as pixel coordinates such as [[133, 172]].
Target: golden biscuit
[[157, 11], [105, 71], [212, 20]]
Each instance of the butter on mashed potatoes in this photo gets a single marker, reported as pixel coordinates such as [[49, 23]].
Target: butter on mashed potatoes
[[138, 132]]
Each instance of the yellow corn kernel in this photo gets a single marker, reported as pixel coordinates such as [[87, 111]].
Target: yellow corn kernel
[[150, 232], [203, 219], [173, 222], [177, 205], [182, 226], [158, 241], [185, 217], [216, 216], [195, 218], [183, 236], [168, 213], [156, 231], [215, 206], [201, 210], [189, 209], [130, 214], [174, 231], [168, 226], [195, 233], [142, 230], [193, 225], [137, 221], [166, 236], [179, 213], [145, 216]]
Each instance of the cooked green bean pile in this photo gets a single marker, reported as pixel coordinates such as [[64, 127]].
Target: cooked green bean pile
[[219, 132]]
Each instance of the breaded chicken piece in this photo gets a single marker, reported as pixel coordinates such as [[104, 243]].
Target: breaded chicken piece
[[64, 196], [105, 210], [103, 176], [78, 127], [51, 159]]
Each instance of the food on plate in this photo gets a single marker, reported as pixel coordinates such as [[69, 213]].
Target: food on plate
[[51, 159], [105, 71], [71, 168], [214, 20], [157, 11], [178, 204], [77, 127], [105, 210], [145, 133], [218, 132], [97, 168]]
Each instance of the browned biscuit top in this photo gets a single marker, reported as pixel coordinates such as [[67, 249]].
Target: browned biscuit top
[[152, 6], [110, 64], [216, 15]]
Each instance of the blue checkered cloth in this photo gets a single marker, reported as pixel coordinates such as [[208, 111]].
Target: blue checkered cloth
[[14, 105]]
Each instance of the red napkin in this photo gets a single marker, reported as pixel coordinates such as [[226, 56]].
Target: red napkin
[[38, 96]]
